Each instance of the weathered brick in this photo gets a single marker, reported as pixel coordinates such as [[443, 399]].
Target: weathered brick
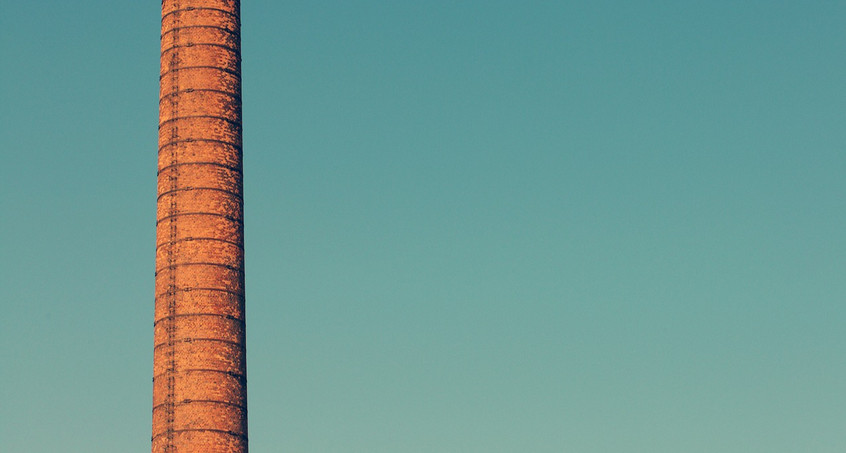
[[199, 357]]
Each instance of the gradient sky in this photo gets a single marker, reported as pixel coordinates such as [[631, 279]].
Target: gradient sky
[[472, 226]]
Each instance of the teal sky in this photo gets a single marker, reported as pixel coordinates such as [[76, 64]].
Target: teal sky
[[472, 226]]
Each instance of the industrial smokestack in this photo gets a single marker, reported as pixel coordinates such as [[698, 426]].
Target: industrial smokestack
[[199, 364]]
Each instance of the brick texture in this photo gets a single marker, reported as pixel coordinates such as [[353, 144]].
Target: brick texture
[[199, 364]]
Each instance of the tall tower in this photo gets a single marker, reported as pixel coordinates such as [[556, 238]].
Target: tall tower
[[199, 364]]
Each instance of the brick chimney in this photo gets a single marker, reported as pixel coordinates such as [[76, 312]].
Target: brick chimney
[[199, 364]]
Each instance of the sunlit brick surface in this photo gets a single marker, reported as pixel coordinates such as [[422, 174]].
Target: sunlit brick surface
[[199, 365]]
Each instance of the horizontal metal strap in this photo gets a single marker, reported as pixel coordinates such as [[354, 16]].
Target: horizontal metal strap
[[189, 315], [215, 189], [222, 431], [188, 117], [189, 401], [213, 214], [191, 340], [238, 376], [196, 8], [189, 239], [191, 140], [234, 50], [196, 90], [189, 289], [182, 68], [183, 27], [199, 164], [221, 265]]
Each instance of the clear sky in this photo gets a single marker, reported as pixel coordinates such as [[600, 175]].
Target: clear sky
[[472, 226]]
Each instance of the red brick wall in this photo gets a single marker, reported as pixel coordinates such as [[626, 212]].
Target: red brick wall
[[199, 365]]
